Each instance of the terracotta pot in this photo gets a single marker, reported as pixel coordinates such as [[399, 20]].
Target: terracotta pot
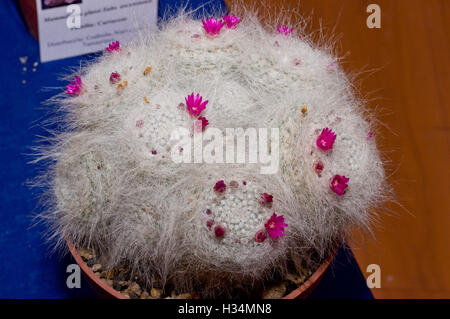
[[102, 289], [309, 285], [105, 291]]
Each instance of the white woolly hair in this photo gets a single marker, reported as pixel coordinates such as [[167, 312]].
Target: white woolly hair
[[113, 186]]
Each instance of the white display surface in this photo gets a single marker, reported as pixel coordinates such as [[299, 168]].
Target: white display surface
[[74, 27]]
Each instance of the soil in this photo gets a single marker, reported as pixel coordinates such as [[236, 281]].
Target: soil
[[119, 279]]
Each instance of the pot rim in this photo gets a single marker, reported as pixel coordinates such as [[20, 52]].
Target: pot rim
[[314, 279], [88, 272], [301, 292]]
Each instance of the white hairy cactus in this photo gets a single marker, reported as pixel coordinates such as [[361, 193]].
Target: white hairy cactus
[[115, 186]]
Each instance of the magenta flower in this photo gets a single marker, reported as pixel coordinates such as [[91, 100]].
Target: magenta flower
[[275, 226], [231, 21], [266, 199], [318, 167], [284, 30], [114, 78], [212, 26], [326, 139], [75, 87], [219, 231], [113, 47], [194, 104], [260, 236], [220, 187], [338, 184], [200, 124]]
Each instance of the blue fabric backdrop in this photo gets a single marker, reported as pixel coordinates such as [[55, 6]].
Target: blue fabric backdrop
[[27, 268]]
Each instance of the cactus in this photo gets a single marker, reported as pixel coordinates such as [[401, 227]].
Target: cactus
[[213, 227]]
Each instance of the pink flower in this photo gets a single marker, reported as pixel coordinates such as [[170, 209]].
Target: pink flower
[[338, 184], [212, 26], [201, 123], [220, 187], [275, 226], [231, 21], [114, 78], [326, 139], [318, 167], [195, 105], [284, 30], [266, 199], [75, 87], [113, 47], [260, 236], [219, 231]]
